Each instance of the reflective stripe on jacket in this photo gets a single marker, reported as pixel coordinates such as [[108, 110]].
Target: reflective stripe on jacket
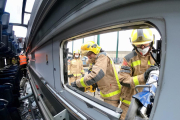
[[104, 74], [132, 74], [22, 59]]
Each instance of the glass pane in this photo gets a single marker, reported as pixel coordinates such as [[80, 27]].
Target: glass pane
[[77, 44], [14, 7], [157, 36], [124, 41], [69, 45], [20, 31], [108, 41], [29, 5], [91, 38], [26, 18]]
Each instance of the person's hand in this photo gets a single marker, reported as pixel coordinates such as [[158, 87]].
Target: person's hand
[[73, 84], [146, 74], [71, 75]]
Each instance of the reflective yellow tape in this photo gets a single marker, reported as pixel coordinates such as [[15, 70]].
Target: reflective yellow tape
[[135, 63], [116, 75], [119, 85], [125, 101], [82, 70], [82, 82], [76, 75], [110, 94], [135, 79], [149, 63]]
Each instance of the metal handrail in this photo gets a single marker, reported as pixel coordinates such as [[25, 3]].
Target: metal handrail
[[47, 115], [142, 86], [8, 84], [68, 105], [4, 101]]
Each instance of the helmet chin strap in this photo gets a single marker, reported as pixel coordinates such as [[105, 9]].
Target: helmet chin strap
[[151, 47]]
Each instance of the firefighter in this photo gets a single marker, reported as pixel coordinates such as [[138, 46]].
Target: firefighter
[[103, 73], [136, 66], [75, 69], [23, 63], [14, 61]]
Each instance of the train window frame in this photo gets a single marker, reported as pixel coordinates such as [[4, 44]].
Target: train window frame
[[123, 26]]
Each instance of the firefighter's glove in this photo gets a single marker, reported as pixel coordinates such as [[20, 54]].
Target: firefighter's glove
[[73, 84], [146, 74], [71, 75], [94, 86]]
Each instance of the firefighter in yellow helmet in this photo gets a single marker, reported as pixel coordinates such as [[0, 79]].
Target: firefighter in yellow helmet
[[75, 69], [103, 73], [136, 66]]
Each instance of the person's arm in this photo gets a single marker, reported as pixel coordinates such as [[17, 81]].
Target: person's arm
[[126, 78], [82, 69], [97, 73]]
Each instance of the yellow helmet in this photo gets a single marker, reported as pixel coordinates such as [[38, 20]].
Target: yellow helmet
[[141, 36], [90, 46], [76, 51]]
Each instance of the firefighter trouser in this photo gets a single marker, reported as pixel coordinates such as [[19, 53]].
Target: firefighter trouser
[[23, 70], [124, 107], [72, 79], [114, 103]]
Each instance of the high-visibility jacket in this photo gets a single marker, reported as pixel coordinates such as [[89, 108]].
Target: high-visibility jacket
[[132, 73], [22, 59], [76, 67], [91, 63], [14, 62], [104, 74]]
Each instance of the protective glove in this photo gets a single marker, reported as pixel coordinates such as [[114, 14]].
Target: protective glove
[[71, 75], [73, 84], [146, 74], [94, 86], [82, 75]]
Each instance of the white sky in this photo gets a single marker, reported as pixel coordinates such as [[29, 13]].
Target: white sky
[[108, 41]]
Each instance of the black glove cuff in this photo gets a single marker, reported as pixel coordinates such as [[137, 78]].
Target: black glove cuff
[[73, 84]]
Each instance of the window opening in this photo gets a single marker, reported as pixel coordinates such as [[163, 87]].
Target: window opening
[[117, 45]]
